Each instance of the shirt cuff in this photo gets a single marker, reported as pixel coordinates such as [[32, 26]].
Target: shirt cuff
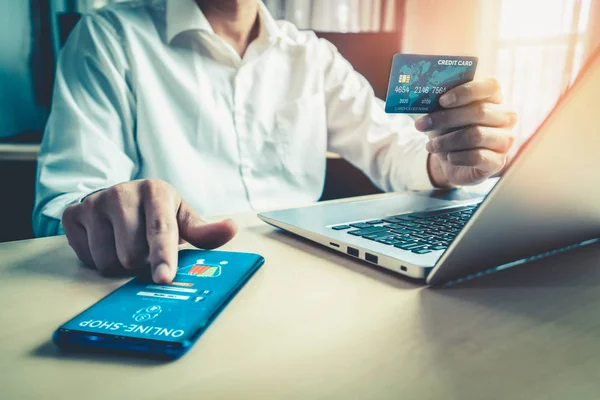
[[419, 174], [56, 206], [48, 226], [49, 222], [82, 198]]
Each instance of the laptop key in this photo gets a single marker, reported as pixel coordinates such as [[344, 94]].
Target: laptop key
[[409, 246], [371, 229], [402, 225], [340, 227], [407, 223], [409, 242], [378, 235], [421, 251], [445, 230], [427, 214], [438, 248], [402, 217], [360, 225], [392, 226], [402, 231], [375, 222], [389, 241]]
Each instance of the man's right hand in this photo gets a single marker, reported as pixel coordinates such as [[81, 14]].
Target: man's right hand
[[139, 222]]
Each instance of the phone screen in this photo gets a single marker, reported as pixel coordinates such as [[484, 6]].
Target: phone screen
[[174, 312]]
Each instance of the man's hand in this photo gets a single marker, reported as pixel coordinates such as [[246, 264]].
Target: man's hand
[[470, 138], [139, 222]]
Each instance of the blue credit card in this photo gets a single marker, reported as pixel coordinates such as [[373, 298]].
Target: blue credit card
[[418, 81]]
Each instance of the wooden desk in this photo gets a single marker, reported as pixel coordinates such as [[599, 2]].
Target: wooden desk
[[312, 324]]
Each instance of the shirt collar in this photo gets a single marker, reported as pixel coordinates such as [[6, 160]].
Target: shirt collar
[[185, 15], [268, 25]]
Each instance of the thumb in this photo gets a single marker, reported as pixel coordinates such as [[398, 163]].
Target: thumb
[[193, 229]]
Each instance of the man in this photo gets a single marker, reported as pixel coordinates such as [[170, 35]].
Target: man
[[216, 103]]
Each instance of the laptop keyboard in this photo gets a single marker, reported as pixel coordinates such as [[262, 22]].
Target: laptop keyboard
[[421, 232]]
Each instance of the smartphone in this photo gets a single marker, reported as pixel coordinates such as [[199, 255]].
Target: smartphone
[[161, 321]]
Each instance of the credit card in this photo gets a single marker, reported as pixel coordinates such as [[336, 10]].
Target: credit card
[[418, 81]]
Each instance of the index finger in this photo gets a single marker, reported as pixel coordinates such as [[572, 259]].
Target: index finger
[[470, 92], [160, 209]]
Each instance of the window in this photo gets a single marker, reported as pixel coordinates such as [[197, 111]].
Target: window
[[540, 48]]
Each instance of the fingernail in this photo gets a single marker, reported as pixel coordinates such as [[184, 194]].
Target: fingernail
[[429, 147], [424, 123], [231, 221], [162, 273], [448, 99], [232, 224]]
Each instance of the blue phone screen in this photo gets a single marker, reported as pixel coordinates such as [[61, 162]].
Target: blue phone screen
[[175, 312]]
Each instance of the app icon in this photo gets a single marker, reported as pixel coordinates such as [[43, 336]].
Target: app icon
[[147, 314], [205, 270], [201, 269]]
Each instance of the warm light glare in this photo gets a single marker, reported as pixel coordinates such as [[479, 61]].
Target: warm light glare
[[542, 18], [540, 51]]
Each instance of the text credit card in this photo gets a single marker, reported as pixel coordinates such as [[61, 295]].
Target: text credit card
[[418, 81]]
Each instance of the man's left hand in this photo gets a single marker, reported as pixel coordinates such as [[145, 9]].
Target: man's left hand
[[469, 138]]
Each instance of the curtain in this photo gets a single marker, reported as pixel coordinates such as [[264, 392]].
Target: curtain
[[321, 15], [337, 15], [538, 49]]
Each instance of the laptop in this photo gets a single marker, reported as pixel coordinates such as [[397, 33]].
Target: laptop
[[547, 199]]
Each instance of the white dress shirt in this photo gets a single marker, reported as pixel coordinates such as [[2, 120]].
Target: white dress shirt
[[148, 90]]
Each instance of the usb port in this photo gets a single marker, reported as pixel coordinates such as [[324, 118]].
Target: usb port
[[352, 251], [371, 258]]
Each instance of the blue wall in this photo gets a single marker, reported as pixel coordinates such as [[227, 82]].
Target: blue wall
[[18, 109]]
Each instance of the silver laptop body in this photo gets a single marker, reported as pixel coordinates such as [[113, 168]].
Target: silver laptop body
[[548, 198]]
